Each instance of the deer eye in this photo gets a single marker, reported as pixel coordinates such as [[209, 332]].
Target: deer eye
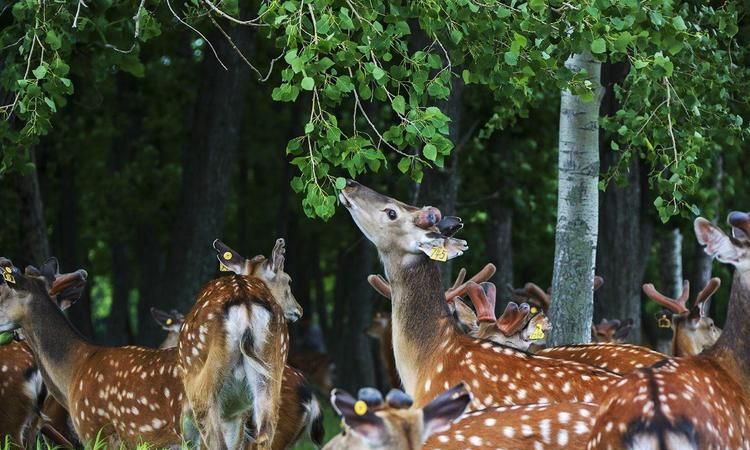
[[391, 213]]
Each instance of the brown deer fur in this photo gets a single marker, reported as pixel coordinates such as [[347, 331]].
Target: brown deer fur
[[130, 394], [618, 358], [21, 392], [299, 409], [520, 427], [701, 401], [233, 346], [431, 353]]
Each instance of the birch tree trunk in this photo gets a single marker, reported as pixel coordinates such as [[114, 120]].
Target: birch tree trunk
[[671, 264], [577, 210]]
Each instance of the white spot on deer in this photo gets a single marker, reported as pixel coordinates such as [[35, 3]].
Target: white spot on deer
[[563, 417], [562, 438], [526, 430], [490, 422], [581, 428], [476, 441], [509, 432], [427, 385]]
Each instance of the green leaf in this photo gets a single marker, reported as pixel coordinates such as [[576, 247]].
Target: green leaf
[[40, 72], [308, 84], [404, 164], [511, 58], [309, 127], [340, 183], [678, 23], [50, 103], [598, 46], [53, 39], [430, 152], [399, 104], [378, 73]]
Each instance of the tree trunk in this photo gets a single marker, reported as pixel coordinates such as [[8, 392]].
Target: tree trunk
[[671, 264], [577, 210], [353, 348], [34, 239], [67, 243], [500, 244], [625, 230], [208, 163]]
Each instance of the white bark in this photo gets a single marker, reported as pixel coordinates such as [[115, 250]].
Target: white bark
[[671, 264], [577, 210]]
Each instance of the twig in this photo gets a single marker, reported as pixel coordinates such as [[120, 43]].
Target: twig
[[136, 33], [169, 5], [78, 12], [254, 22], [669, 117], [234, 46]]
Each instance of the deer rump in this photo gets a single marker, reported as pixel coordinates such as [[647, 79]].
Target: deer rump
[[234, 380]]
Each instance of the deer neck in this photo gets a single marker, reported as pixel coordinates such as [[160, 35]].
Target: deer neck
[[734, 342], [172, 339], [421, 320], [57, 346]]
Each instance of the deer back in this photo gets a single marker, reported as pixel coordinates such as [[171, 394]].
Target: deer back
[[618, 358], [522, 427], [235, 324]]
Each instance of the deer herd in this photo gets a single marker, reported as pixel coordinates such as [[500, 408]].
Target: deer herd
[[470, 379]]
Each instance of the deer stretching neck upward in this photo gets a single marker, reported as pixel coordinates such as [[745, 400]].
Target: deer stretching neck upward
[[432, 354]]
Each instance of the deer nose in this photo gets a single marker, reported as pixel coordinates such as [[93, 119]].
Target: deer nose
[[351, 183], [294, 316]]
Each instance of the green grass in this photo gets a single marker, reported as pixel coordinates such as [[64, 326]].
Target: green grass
[[331, 422]]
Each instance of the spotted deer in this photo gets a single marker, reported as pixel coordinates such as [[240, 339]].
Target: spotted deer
[[381, 328], [370, 422], [128, 394], [694, 402], [692, 330], [299, 410], [519, 427], [616, 357], [431, 353], [612, 331], [21, 393], [233, 346]]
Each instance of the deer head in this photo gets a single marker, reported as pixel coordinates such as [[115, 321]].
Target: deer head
[[379, 325], [374, 423], [611, 330], [169, 321], [693, 331], [18, 290], [402, 232], [271, 271]]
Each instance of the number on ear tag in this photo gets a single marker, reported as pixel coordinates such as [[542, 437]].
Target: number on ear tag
[[9, 278], [664, 322], [439, 254], [537, 334], [223, 268]]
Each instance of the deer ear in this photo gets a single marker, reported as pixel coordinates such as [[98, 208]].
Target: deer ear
[[229, 260], [444, 409], [68, 288], [359, 417], [716, 242], [624, 330], [441, 248]]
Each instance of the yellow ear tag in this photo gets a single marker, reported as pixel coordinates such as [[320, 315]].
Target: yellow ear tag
[[664, 322], [9, 278], [168, 322], [538, 333], [360, 408], [227, 255], [223, 268], [534, 310], [439, 254], [8, 269]]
